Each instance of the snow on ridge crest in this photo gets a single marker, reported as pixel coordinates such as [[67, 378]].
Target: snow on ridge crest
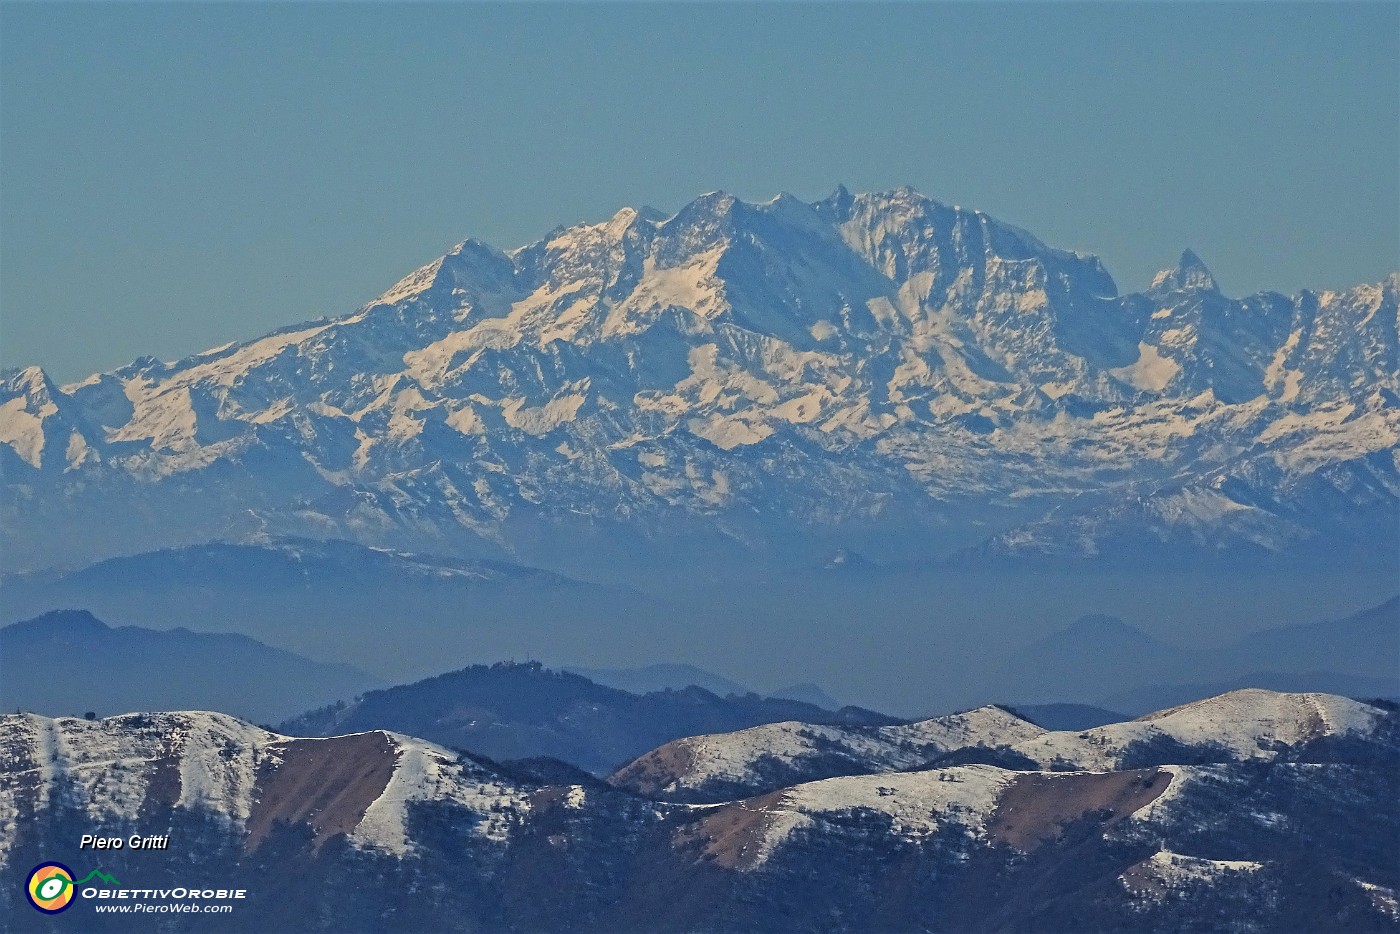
[[217, 764], [1244, 724], [1250, 723], [698, 764], [425, 771], [1297, 714]]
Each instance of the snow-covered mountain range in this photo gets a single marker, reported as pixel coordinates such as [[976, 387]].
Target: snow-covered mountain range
[[1291, 823], [748, 372], [1240, 725]]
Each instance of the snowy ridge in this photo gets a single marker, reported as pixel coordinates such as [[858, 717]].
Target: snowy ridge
[[964, 805], [1247, 724], [989, 725], [918, 804], [427, 772], [1080, 774], [896, 352], [725, 760], [1243, 724], [216, 764], [1172, 841]]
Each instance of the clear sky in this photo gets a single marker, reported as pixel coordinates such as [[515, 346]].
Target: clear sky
[[176, 176]]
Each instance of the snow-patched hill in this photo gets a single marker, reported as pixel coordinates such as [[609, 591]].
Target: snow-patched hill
[[724, 766], [412, 836], [1240, 725], [117, 769], [866, 358], [1244, 724]]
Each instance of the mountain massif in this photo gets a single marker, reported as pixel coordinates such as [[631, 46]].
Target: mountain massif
[[1275, 808], [874, 369]]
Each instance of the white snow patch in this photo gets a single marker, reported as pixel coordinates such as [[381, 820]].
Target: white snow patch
[[24, 430], [919, 803], [1248, 723], [1151, 372], [1279, 378], [218, 758], [1383, 898], [695, 286], [729, 431], [540, 420], [427, 772]]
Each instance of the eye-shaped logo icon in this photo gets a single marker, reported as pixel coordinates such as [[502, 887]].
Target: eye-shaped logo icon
[[50, 887]]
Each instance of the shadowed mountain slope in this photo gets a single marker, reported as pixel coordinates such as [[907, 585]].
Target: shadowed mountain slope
[[70, 662], [514, 711]]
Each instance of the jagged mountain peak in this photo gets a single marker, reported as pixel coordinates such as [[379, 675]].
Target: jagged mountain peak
[[1189, 274], [30, 381], [840, 198]]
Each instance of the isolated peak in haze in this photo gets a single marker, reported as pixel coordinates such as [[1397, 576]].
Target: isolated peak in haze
[[1189, 274], [1098, 626], [1101, 659], [778, 373], [661, 677]]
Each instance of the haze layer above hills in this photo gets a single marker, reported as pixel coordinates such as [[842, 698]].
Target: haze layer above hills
[[835, 442]]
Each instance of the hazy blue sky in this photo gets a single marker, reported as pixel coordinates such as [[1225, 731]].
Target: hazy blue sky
[[176, 176]]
